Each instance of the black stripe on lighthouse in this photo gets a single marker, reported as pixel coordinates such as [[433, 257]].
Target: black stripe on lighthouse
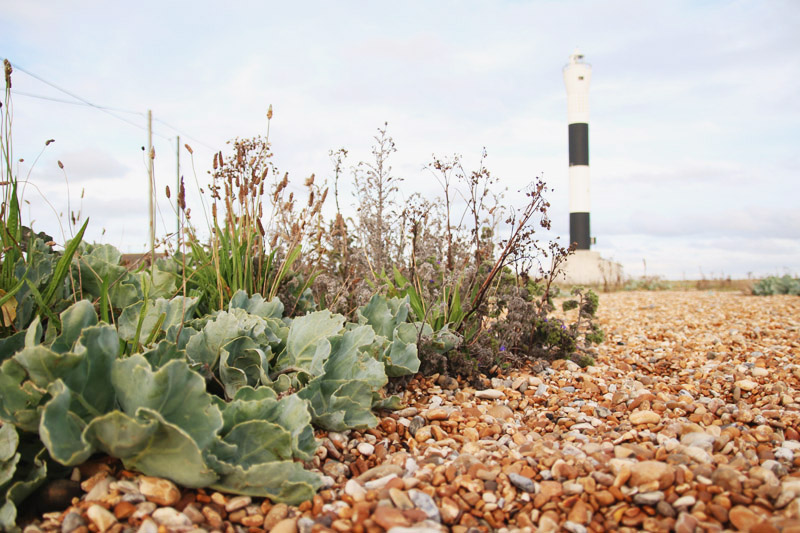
[[579, 228], [578, 144]]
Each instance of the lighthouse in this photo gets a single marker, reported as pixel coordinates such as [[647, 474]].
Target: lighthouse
[[583, 266], [577, 76]]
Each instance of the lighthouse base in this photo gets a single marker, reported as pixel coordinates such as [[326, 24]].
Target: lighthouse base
[[586, 267]]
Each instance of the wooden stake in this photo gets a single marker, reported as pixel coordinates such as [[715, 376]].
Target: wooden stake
[[150, 157]]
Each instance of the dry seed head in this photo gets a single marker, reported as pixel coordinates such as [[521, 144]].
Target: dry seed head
[[260, 227], [284, 182], [310, 181], [152, 152], [189, 148], [215, 162], [8, 69], [269, 112], [49, 141], [310, 199], [182, 196], [168, 194]]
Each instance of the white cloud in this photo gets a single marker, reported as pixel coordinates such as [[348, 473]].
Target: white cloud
[[694, 113]]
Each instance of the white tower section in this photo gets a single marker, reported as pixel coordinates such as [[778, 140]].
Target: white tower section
[[577, 76]]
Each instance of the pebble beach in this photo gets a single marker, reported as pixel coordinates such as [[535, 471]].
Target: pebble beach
[[688, 421]]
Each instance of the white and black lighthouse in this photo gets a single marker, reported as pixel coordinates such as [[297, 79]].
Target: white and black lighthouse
[[577, 76]]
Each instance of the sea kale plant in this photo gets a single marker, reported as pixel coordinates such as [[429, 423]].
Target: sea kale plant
[[776, 285]]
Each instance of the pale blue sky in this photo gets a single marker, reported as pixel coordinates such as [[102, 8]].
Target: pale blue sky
[[694, 129]]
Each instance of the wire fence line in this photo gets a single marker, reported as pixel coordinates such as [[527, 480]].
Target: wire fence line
[[109, 110]]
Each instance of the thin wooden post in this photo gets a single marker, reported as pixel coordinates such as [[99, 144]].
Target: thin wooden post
[[177, 192], [150, 196]]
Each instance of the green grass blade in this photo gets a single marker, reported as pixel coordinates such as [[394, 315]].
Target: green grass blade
[[43, 308], [62, 267], [104, 300]]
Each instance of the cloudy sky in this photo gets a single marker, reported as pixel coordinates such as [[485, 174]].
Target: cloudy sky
[[694, 128]]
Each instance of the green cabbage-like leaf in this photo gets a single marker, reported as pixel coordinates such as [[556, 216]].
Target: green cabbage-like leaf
[[175, 311], [400, 357], [150, 444], [33, 474], [61, 428], [280, 481], [174, 391], [307, 346], [78, 316], [338, 406], [383, 314], [205, 347], [11, 345], [9, 457], [256, 305], [341, 396], [290, 413], [19, 397], [242, 364], [164, 352]]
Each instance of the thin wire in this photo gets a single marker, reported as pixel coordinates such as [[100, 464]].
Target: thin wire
[[85, 101], [62, 101], [184, 134]]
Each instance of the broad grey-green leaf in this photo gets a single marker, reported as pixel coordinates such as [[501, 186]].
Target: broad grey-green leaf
[[163, 353], [337, 405], [152, 445], [290, 413], [256, 305], [383, 314], [305, 333], [20, 489], [74, 319], [8, 468], [101, 262], [33, 335], [11, 345], [176, 311], [161, 283], [257, 441], [19, 398], [86, 372], [348, 362], [392, 403], [61, 428], [205, 347], [9, 457], [121, 294], [174, 390], [241, 364], [280, 481], [401, 357], [249, 394], [9, 440]]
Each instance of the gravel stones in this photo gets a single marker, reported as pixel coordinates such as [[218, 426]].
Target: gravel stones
[[644, 417], [101, 517], [489, 394], [159, 491], [680, 426], [648, 473], [522, 482]]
